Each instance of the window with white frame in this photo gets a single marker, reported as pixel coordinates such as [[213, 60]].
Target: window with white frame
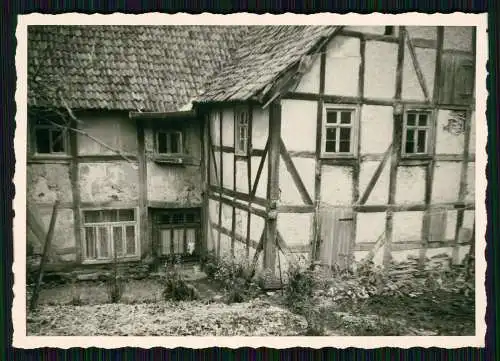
[[416, 132], [50, 137], [168, 142], [339, 131], [108, 233], [241, 127]]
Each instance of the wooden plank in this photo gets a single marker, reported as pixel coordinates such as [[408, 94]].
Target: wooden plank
[[296, 208], [104, 158], [46, 249], [224, 149], [376, 176], [259, 170], [416, 66], [304, 194], [273, 191], [75, 190]]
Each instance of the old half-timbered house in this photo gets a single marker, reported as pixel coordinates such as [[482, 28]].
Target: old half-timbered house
[[341, 143], [262, 143], [128, 184]]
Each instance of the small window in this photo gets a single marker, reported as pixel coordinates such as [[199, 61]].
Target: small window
[[241, 121], [339, 131], [416, 133], [179, 232], [50, 138], [389, 30], [108, 233], [168, 142]]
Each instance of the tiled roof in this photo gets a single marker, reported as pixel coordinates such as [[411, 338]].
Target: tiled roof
[[262, 56], [147, 68]]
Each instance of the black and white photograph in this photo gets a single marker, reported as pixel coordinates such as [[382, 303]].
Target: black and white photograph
[[250, 178]]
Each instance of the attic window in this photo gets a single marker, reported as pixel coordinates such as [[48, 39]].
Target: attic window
[[50, 138], [389, 30], [241, 122]]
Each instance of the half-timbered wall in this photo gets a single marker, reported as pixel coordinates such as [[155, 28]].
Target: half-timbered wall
[[411, 205]]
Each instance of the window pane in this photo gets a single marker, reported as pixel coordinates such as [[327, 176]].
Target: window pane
[[178, 218], [166, 240], [345, 134], [178, 240], [92, 216], [331, 117], [330, 146], [103, 242], [409, 146], [175, 143], [90, 243], [118, 240], [189, 217], [165, 219], [410, 120], [109, 215], [58, 145], [42, 141], [422, 120], [162, 143], [331, 133], [344, 147], [242, 146], [125, 215], [345, 118], [421, 140], [191, 240], [130, 239]]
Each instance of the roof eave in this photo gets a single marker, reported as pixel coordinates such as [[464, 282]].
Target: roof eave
[[163, 115]]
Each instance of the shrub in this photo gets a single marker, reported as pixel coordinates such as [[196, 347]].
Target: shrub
[[175, 287], [115, 285], [299, 289]]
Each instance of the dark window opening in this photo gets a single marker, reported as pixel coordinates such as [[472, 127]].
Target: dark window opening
[[338, 131], [389, 30], [416, 133], [169, 142]]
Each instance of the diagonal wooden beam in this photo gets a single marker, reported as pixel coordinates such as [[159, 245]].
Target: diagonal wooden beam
[[416, 65], [306, 198], [375, 176], [259, 170]]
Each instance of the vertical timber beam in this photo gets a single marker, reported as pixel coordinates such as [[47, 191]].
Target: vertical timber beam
[[75, 190], [462, 192], [249, 180], [221, 183], [205, 174], [429, 179], [233, 208], [317, 170], [398, 114], [272, 184], [143, 192]]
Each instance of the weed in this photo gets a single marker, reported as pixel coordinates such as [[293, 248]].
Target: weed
[[175, 287]]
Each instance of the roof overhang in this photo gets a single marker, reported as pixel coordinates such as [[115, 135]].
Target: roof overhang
[[163, 115]]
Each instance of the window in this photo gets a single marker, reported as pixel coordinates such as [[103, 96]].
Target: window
[[108, 233], [339, 131], [49, 138], [241, 121], [389, 30], [178, 232], [168, 142], [416, 132]]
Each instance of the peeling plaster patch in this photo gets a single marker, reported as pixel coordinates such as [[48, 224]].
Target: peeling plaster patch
[[46, 183], [380, 77], [458, 37], [380, 192], [407, 226], [376, 128], [309, 83], [342, 66], [260, 127], [174, 184], [336, 185], [64, 234], [299, 114], [370, 226], [410, 185], [449, 133], [446, 182], [295, 228], [228, 127]]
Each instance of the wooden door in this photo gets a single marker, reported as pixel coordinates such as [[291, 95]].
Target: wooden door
[[336, 234]]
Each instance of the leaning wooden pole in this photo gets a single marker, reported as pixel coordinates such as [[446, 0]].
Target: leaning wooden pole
[[46, 248]]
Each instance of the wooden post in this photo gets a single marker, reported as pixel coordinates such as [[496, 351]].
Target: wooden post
[[272, 185], [205, 173], [143, 192], [75, 190], [46, 248]]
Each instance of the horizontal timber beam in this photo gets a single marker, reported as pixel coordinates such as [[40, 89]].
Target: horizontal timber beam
[[258, 212]]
